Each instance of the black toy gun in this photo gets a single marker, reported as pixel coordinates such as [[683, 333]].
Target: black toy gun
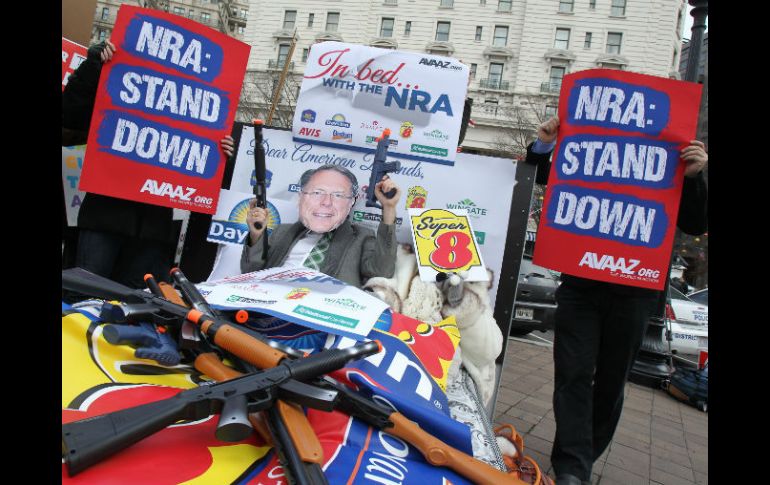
[[380, 168], [260, 175], [91, 440]]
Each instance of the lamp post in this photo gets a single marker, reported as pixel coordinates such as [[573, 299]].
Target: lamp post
[[652, 366]]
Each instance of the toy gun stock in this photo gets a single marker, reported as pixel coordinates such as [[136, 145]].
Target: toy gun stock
[[91, 440], [381, 167]]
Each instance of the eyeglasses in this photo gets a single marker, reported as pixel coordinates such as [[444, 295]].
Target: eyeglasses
[[321, 194]]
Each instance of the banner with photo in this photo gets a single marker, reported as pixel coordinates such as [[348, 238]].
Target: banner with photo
[[164, 101], [483, 186], [350, 93], [611, 205]]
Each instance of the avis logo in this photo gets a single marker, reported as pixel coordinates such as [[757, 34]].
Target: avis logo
[[167, 189], [593, 261], [314, 132]]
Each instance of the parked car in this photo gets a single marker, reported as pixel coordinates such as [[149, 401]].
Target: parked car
[[535, 304], [689, 325]]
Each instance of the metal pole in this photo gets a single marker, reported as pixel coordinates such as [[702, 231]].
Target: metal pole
[[699, 14]]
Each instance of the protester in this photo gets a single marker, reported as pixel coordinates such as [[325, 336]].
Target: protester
[[119, 239], [324, 238], [598, 331]]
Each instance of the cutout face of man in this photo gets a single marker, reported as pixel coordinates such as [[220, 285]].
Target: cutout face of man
[[324, 213]]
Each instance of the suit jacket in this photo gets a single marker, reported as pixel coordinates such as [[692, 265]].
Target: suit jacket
[[355, 253]]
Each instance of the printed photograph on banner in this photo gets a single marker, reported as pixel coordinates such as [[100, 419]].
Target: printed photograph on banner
[[350, 93], [164, 101], [72, 163], [445, 243], [611, 205], [487, 200], [72, 54], [299, 295]]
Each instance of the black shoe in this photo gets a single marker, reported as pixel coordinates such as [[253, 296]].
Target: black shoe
[[567, 479]]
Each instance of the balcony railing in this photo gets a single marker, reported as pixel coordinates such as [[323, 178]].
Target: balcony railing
[[279, 65], [553, 88], [493, 84]]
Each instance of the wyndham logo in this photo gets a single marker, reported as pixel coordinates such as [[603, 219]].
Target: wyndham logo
[[470, 206], [308, 116], [338, 120], [345, 303], [435, 135]]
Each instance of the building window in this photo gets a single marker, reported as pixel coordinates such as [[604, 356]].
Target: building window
[[592, 4], [679, 22], [102, 35], [386, 29], [504, 5], [191, 14], [501, 36], [310, 19], [550, 111], [447, 3], [304, 54], [495, 74], [283, 53], [473, 71], [289, 17], [561, 41], [177, 11], [478, 33], [673, 59], [587, 44], [241, 30], [614, 40], [442, 31], [566, 6], [557, 74], [106, 13], [618, 8], [205, 17], [332, 21], [407, 28]]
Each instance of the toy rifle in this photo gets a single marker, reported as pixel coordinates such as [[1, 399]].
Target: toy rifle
[[380, 168], [260, 175], [90, 440], [284, 425]]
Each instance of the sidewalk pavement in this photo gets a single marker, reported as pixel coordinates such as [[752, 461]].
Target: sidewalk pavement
[[659, 440]]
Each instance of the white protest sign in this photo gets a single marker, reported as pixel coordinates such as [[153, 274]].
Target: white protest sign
[[479, 184], [350, 93], [299, 295], [444, 243], [71, 165]]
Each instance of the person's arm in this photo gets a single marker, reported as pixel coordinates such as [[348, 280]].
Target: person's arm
[[79, 94], [378, 255], [539, 152], [693, 208]]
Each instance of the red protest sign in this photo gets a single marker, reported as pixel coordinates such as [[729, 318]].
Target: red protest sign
[[164, 101], [72, 55], [611, 205]]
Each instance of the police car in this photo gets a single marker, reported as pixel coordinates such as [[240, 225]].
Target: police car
[[689, 325]]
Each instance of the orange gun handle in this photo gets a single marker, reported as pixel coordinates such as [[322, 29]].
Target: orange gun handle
[[438, 453], [170, 294], [302, 434]]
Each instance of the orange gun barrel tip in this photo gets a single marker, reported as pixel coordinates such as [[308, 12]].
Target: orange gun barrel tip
[[379, 346], [258, 121], [241, 316], [173, 270], [148, 276], [386, 132]]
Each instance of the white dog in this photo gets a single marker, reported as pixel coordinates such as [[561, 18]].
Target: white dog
[[480, 338]]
